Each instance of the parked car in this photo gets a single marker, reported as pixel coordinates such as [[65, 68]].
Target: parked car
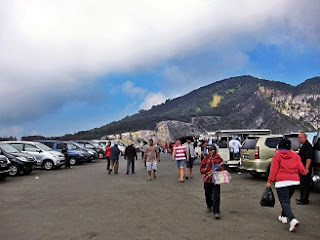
[[20, 162], [46, 157], [316, 161], [4, 167], [257, 153], [76, 156], [99, 146], [92, 154], [93, 147]]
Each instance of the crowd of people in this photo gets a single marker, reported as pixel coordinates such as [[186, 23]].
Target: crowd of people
[[288, 169]]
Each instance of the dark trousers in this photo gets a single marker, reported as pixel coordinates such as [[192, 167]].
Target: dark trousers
[[108, 163], [68, 165], [130, 162], [212, 193], [284, 195], [305, 187]]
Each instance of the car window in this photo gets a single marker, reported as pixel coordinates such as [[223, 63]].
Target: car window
[[272, 142], [89, 146], [8, 148], [71, 146], [49, 144], [250, 143], [60, 145], [18, 146], [44, 147], [30, 148], [295, 144], [81, 145]]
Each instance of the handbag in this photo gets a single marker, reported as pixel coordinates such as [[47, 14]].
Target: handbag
[[267, 199], [221, 177]]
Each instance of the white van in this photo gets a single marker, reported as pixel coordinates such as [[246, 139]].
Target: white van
[[46, 157]]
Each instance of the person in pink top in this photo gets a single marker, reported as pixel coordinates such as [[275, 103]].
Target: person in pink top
[[181, 155], [285, 168]]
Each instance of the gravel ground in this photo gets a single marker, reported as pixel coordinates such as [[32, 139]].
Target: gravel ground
[[87, 203]]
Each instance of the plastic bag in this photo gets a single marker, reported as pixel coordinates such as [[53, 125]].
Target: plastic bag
[[221, 177], [267, 199]]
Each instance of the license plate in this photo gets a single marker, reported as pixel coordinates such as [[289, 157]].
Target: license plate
[[3, 165], [246, 156]]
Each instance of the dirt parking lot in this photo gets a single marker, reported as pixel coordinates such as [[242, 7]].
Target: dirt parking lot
[[87, 203]]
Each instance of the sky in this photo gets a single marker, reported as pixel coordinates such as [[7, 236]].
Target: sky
[[71, 65]]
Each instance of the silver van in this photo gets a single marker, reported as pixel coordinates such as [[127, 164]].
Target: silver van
[[45, 156]]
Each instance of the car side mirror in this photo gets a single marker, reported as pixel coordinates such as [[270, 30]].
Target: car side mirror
[[39, 150]]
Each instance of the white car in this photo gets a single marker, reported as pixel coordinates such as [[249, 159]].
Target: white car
[[45, 156]]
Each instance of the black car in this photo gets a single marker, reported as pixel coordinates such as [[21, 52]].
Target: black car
[[4, 167], [20, 162]]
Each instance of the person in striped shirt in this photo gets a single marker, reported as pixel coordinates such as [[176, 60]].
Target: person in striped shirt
[[181, 155]]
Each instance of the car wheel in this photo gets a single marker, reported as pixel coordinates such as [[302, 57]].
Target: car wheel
[[73, 161], [48, 165], [255, 174], [14, 170], [27, 172]]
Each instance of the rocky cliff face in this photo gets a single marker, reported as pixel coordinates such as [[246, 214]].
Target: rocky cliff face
[[302, 107]]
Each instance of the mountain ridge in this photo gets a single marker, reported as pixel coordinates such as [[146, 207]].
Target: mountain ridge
[[239, 102]]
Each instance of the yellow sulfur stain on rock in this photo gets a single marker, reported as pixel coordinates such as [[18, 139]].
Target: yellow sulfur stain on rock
[[215, 101]]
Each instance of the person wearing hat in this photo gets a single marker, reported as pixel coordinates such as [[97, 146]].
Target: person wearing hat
[[211, 163]]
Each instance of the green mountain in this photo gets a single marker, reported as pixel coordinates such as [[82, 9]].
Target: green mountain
[[235, 103]]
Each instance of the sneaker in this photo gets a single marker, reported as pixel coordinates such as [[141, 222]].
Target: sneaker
[[283, 219], [294, 224], [217, 215]]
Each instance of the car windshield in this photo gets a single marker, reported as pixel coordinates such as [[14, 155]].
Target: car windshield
[[77, 145], [8, 148], [43, 147], [80, 144]]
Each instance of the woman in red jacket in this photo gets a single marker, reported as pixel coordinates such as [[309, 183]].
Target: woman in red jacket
[[285, 168], [212, 162]]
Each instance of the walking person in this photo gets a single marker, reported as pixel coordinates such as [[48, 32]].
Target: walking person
[[181, 155], [166, 148], [130, 154], [306, 155], [151, 156], [234, 148], [212, 162], [285, 168], [64, 151], [107, 155], [192, 155], [114, 158], [204, 150], [143, 148]]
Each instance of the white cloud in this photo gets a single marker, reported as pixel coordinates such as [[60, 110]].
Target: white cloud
[[153, 99], [131, 90], [51, 50]]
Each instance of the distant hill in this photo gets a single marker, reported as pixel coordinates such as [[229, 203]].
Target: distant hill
[[237, 102]]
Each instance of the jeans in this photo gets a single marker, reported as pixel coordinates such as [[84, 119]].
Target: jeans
[[212, 193], [284, 195], [305, 187], [130, 162]]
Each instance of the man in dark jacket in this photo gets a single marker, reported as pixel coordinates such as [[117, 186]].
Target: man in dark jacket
[[64, 151], [130, 155], [114, 158], [305, 153]]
